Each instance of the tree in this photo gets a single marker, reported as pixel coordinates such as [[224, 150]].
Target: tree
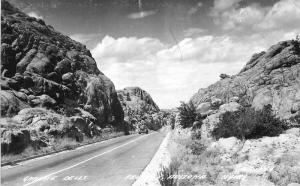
[[128, 97], [248, 123], [187, 114]]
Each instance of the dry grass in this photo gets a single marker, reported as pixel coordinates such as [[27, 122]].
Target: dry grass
[[197, 160], [286, 171], [166, 174], [58, 144], [28, 152], [199, 157]]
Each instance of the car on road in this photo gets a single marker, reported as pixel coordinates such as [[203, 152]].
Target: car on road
[[143, 129]]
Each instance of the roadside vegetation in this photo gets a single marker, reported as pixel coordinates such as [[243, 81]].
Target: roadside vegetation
[[187, 153], [248, 123], [167, 174], [209, 163], [188, 115], [58, 144], [285, 171], [152, 120]]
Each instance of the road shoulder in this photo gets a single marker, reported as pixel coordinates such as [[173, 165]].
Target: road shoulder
[[161, 158]]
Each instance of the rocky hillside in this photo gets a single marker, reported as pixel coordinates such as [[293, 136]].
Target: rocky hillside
[[135, 98], [50, 84], [139, 107], [271, 77]]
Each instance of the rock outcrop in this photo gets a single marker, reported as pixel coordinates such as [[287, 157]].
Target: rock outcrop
[[271, 77], [42, 68], [139, 108], [135, 98], [211, 121]]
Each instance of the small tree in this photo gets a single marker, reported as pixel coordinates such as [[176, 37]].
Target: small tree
[[187, 114], [128, 97], [296, 44], [249, 123]]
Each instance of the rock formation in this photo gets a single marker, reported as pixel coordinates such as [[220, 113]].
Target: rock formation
[[135, 98], [271, 77], [47, 78], [139, 108]]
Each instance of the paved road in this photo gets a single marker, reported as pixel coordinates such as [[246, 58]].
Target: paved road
[[113, 162]]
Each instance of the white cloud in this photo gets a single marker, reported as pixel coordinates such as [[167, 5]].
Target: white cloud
[[35, 15], [209, 49], [243, 18], [283, 15], [126, 49]]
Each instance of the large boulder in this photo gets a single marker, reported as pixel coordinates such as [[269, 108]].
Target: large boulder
[[211, 121], [43, 101], [85, 126], [203, 108], [229, 107], [14, 141], [10, 104]]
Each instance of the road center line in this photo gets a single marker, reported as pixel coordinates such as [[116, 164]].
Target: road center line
[[70, 167]]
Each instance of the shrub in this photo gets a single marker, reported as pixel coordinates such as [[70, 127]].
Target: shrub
[[249, 123], [187, 114], [224, 76], [296, 45], [196, 134], [166, 174], [196, 147], [296, 119]]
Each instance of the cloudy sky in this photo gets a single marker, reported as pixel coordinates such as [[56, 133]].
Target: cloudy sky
[[170, 48]]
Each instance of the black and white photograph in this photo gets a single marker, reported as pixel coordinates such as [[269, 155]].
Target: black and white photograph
[[150, 93]]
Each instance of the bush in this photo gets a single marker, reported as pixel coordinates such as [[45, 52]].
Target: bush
[[187, 114], [166, 174], [295, 119], [248, 123], [196, 134], [196, 147]]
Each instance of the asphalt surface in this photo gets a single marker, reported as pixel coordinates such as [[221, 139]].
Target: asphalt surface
[[114, 162]]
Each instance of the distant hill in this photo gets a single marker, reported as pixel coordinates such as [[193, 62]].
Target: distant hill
[[140, 109], [137, 99]]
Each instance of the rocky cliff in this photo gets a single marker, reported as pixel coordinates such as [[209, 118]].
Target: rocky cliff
[[46, 78], [135, 98], [139, 107], [271, 77]]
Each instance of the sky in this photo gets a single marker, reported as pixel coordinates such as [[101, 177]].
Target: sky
[[170, 48]]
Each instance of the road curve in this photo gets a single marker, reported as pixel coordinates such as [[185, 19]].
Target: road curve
[[112, 162]]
